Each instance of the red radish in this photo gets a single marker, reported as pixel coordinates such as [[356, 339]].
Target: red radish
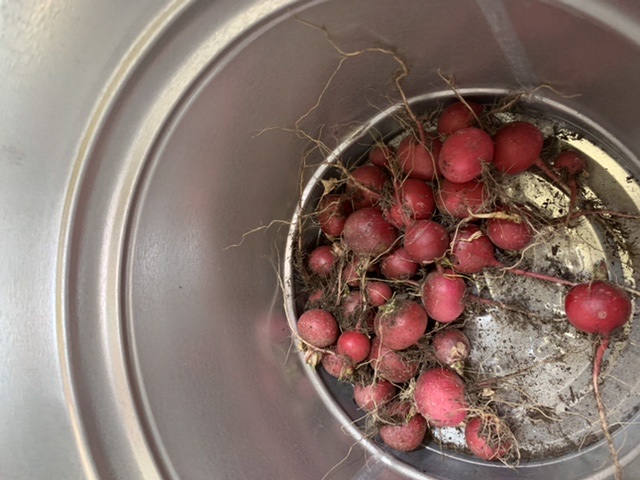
[[321, 261], [599, 308], [571, 162], [367, 233], [400, 324], [442, 295], [380, 155], [458, 116], [354, 307], [406, 436], [472, 251], [337, 365], [452, 347], [464, 154], [355, 345], [355, 270], [398, 266], [366, 184], [488, 437], [460, 200], [318, 328], [416, 160], [425, 241], [332, 213], [378, 293], [391, 365], [315, 298], [415, 202], [517, 147], [509, 234], [440, 397], [372, 396]]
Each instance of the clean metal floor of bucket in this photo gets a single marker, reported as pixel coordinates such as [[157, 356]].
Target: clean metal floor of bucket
[[144, 331]]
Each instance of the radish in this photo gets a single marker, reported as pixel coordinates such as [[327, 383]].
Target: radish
[[464, 154], [337, 366], [367, 233], [406, 436], [509, 234], [321, 261], [599, 308], [391, 365], [332, 213], [318, 328], [442, 295], [488, 437], [365, 184], [372, 396], [425, 241], [354, 308], [440, 397], [458, 116], [452, 347], [472, 251], [353, 344], [517, 147], [416, 160], [415, 201], [400, 324], [381, 155], [378, 293], [397, 265], [460, 200]]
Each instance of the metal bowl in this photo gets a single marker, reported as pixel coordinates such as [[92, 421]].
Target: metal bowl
[[145, 147]]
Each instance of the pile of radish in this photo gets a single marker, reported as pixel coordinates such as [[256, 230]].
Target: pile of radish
[[404, 234]]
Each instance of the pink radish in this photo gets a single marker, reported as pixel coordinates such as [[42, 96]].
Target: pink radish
[[398, 266], [374, 395], [458, 116], [366, 184], [472, 251], [442, 295], [488, 437], [415, 201], [321, 261], [464, 154], [440, 397], [391, 365], [517, 147], [355, 345], [461, 200], [416, 160], [425, 241], [378, 293], [337, 366], [367, 233], [318, 328], [332, 213], [380, 155], [509, 234], [452, 347], [400, 324], [406, 436]]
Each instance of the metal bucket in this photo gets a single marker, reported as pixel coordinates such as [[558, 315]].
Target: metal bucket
[[145, 146]]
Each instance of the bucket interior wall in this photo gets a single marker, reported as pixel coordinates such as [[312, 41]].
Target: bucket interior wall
[[221, 391]]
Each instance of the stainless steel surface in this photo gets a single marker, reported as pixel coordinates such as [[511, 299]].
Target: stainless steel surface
[[135, 344]]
